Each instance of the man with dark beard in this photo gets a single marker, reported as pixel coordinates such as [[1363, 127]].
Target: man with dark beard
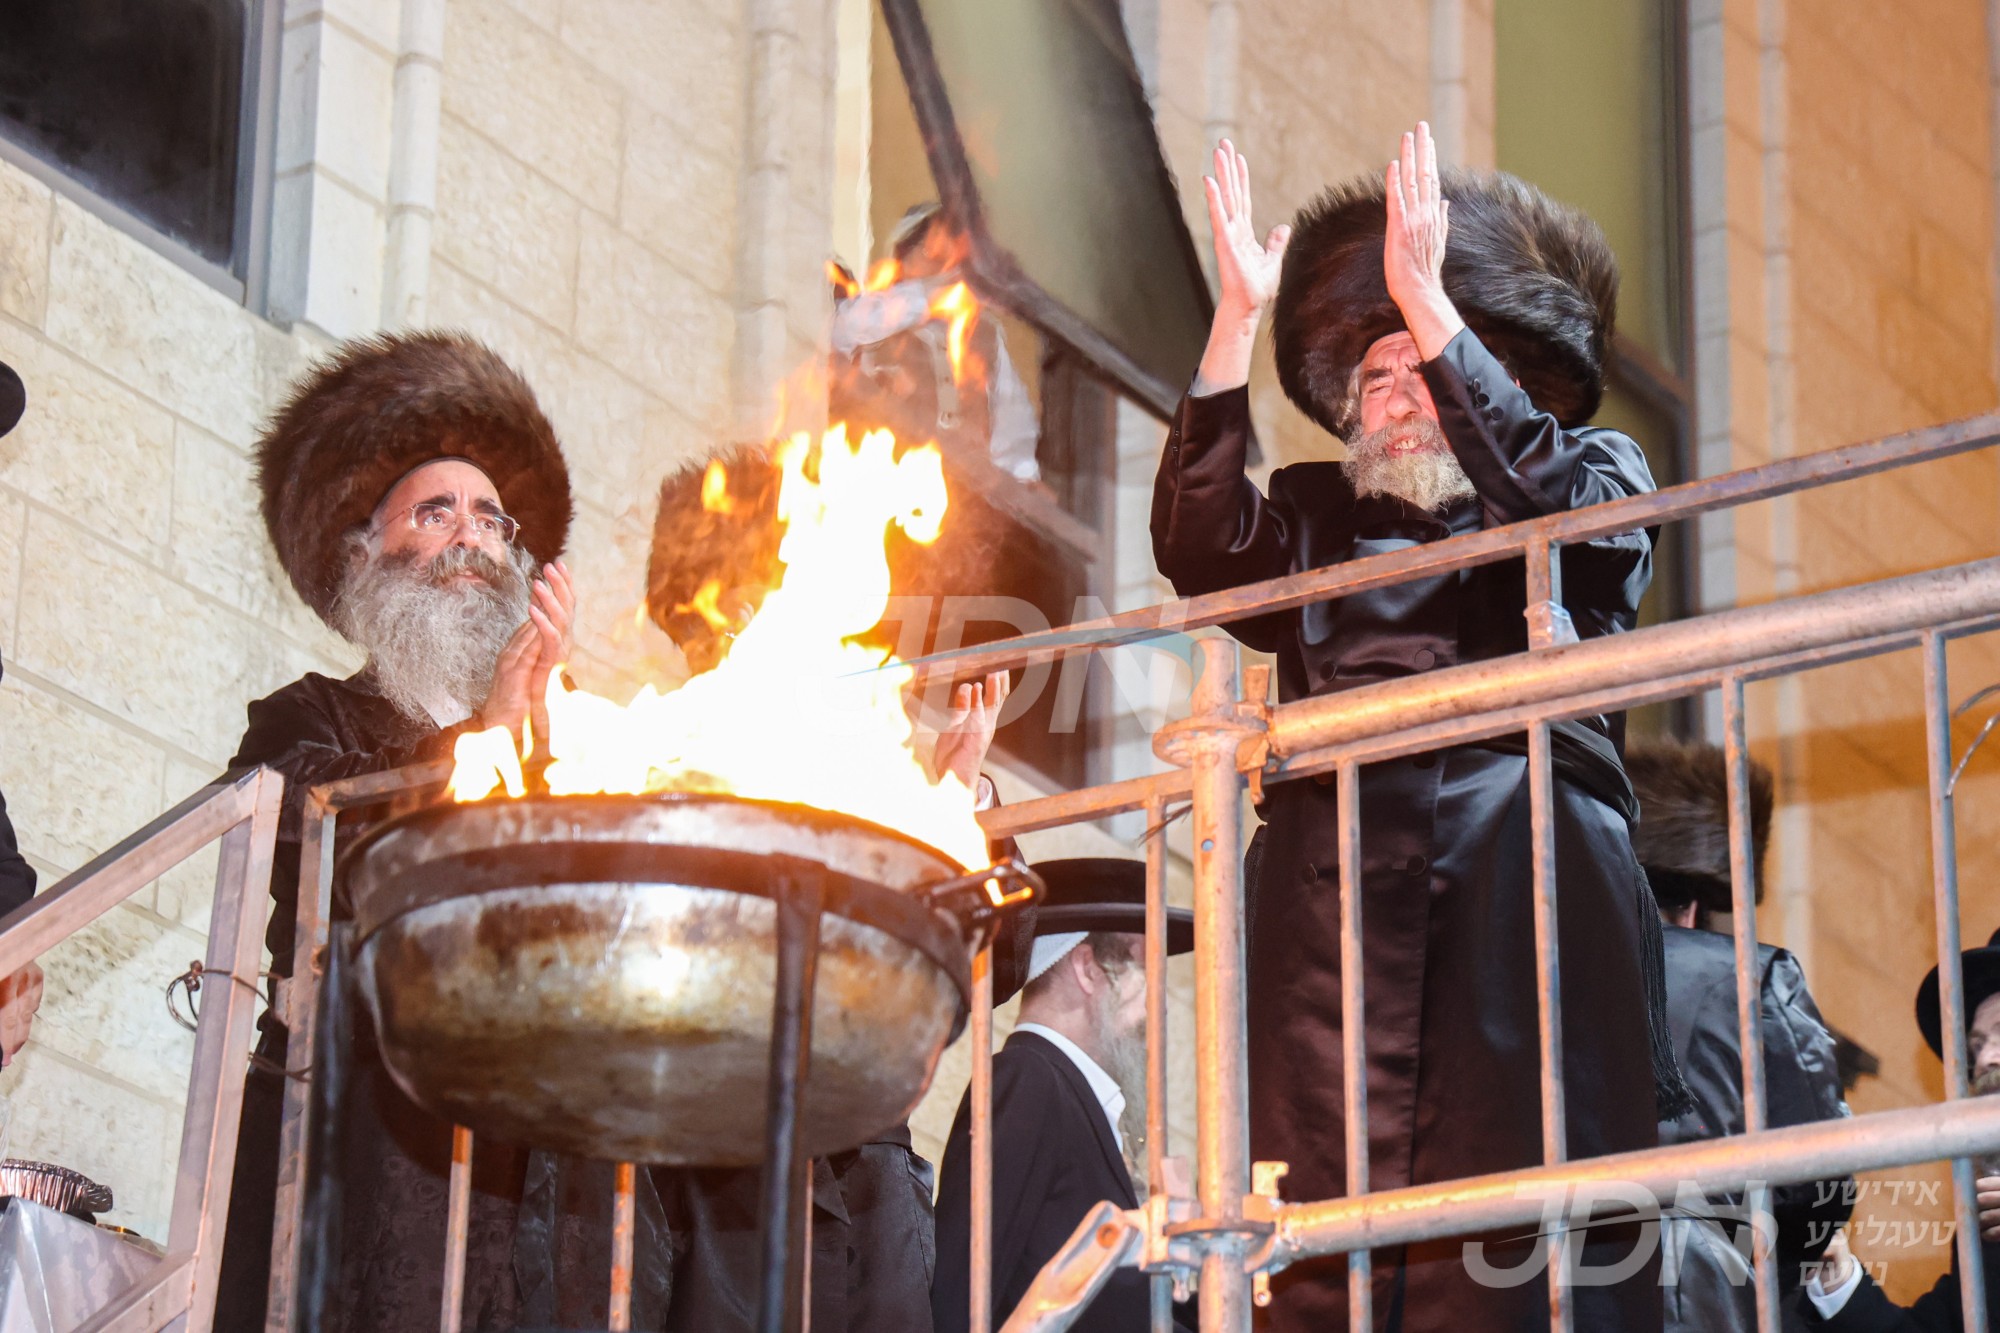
[[1073, 1069], [1453, 331], [1840, 1294], [418, 500]]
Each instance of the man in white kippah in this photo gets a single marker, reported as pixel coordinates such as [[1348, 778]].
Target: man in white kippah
[[1060, 1086]]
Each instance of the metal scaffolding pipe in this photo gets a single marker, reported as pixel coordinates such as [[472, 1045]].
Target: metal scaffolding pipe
[[1470, 550], [1526, 1198], [1725, 638], [1951, 974], [1749, 1024], [1161, 1313], [1207, 743]]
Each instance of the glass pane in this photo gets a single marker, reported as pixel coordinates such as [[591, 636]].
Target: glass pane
[[1587, 104], [1060, 144], [136, 99]]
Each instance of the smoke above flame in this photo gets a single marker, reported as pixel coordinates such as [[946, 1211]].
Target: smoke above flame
[[799, 711]]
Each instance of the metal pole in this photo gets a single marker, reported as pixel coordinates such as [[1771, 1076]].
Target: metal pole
[[457, 1220], [1354, 1041], [319, 1196], [1548, 995], [1470, 550], [781, 1302], [621, 1249], [1749, 1018], [1951, 975], [1546, 623], [222, 1045], [1156, 1038], [1512, 1199], [980, 1316], [1221, 1070], [304, 992]]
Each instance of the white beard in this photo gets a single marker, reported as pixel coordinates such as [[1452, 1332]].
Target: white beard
[[1429, 477], [430, 639]]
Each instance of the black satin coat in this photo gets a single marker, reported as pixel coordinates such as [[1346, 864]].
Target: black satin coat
[[1707, 1290], [1054, 1159], [1446, 879]]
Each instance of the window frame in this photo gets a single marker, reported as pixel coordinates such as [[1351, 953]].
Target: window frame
[[992, 271], [246, 279]]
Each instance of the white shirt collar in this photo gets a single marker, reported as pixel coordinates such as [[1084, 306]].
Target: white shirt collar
[[1109, 1095]]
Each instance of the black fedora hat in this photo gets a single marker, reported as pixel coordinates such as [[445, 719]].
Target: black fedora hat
[[1083, 893], [1982, 982], [1103, 893], [13, 398]]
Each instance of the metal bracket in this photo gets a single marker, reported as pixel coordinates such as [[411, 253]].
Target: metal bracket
[[1262, 1204]]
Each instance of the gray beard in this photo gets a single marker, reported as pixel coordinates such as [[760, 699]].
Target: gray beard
[[430, 639], [1430, 478], [1125, 1054]]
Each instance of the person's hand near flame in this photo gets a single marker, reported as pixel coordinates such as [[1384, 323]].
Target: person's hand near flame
[[967, 734], [521, 679]]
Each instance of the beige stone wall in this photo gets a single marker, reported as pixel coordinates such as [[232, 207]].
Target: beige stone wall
[[1835, 303], [632, 206], [139, 610]]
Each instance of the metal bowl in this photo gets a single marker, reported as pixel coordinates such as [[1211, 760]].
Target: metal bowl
[[596, 974]]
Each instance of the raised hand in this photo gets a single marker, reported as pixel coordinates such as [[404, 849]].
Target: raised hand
[[1246, 271], [550, 614], [968, 730], [1413, 245]]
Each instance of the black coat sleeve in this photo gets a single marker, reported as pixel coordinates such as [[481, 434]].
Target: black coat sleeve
[[17, 877], [1869, 1309], [1212, 528], [1025, 1156], [1525, 465]]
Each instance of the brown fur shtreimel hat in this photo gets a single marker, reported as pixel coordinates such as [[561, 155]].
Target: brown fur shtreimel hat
[[381, 407], [1534, 279]]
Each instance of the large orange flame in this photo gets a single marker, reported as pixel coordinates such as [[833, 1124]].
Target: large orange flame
[[957, 304], [799, 711]]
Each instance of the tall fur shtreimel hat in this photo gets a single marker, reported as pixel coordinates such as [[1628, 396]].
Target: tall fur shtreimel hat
[[1682, 837], [1534, 279], [381, 407]]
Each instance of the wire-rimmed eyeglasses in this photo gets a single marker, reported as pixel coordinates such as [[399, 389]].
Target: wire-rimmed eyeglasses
[[434, 518]]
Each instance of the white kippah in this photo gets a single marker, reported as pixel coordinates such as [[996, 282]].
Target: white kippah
[[1052, 949]]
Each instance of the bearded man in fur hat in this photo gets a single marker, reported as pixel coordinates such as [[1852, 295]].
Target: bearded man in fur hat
[[418, 500], [1452, 332]]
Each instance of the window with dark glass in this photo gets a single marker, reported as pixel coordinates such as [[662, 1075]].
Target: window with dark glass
[[142, 103], [1027, 121], [1591, 106]]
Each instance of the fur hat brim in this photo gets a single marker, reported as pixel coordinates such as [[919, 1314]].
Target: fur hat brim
[[731, 542], [1534, 279], [382, 407], [1683, 828]]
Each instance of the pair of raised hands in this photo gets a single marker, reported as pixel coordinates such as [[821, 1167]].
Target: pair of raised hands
[[1247, 270], [539, 646]]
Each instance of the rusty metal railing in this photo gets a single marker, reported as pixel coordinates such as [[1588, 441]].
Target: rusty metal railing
[[179, 1290], [1233, 1236], [1236, 1231]]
